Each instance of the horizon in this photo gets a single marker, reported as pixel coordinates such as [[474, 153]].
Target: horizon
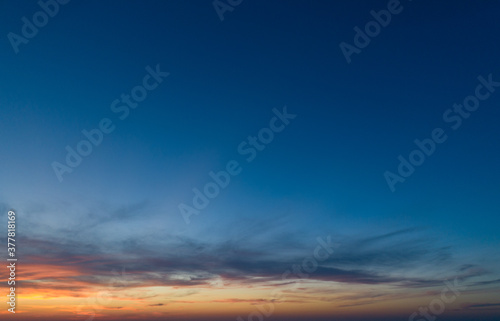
[[250, 160]]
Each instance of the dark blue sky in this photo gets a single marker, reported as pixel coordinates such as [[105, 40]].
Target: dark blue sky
[[323, 174]]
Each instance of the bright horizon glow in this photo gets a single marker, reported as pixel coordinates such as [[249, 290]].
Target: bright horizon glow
[[167, 164]]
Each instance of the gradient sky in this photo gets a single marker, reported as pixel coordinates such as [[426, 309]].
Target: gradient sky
[[110, 241]]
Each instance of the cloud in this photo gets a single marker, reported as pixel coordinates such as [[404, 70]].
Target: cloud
[[185, 262], [483, 306]]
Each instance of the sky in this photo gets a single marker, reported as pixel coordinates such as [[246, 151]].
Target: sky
[[251, 160]]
